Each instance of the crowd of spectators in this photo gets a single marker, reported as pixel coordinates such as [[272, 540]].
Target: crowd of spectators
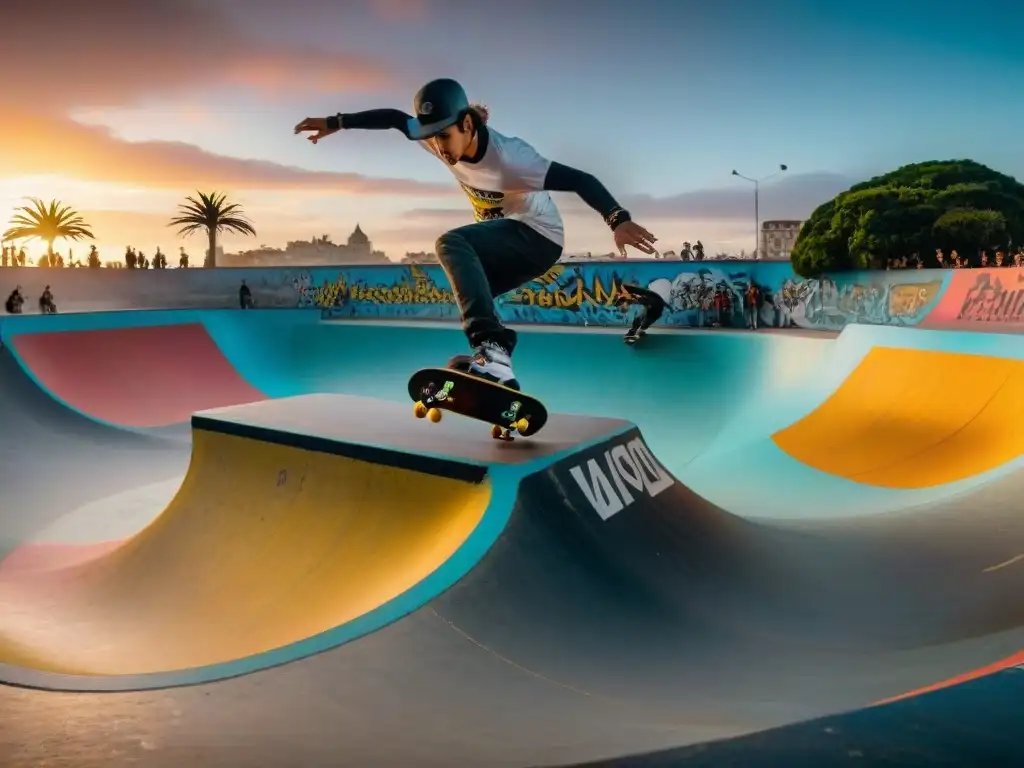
[[133, 259], [954, 260]]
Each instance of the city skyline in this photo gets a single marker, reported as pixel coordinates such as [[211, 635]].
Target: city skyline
[[213, 89]]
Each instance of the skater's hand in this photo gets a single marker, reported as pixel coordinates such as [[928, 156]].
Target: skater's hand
[[631, 233], [317, 125]]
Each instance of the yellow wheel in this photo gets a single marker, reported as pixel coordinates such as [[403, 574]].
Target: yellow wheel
[[434, 415], [419, 410], [496, 432], [522, 425]]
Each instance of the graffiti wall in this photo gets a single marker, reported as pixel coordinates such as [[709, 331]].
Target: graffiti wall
[[697, 294], [715, 294], [975, 298]]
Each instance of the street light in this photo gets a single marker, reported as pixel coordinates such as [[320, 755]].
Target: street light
[[757, 214]]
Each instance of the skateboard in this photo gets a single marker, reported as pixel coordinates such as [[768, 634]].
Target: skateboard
[[508, 411], [631, 340]]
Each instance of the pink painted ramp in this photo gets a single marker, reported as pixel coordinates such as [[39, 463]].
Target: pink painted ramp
[[135, 377]]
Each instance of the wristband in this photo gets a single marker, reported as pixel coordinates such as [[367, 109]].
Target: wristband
[[334, 122], [616, 217]]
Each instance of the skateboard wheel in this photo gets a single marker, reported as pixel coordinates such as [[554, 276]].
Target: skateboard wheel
[[419, 410], [522, 425], [434, 414], [496, 432]]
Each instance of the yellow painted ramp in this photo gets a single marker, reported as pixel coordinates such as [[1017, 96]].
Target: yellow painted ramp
[[263, 546], [910, 418]]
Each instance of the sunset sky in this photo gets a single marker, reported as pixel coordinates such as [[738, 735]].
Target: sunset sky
[[121, 108]]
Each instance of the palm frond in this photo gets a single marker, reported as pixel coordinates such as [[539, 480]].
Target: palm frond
[[47, 222], [212, 213]]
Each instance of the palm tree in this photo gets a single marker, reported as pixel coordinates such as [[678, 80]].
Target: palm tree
[[212, 213], [48, 223]]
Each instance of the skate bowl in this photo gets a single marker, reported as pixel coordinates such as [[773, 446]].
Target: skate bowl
[[718, 534]]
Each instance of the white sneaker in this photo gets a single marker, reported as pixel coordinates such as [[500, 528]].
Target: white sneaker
[[492, 361]]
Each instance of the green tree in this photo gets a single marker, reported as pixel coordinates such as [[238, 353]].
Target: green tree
[[954, 205], [214, 214], [47, 223]]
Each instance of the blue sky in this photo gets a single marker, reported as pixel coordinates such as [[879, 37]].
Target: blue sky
[[658, 99]]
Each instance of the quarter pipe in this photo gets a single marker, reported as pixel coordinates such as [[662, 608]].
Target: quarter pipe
[[355, 587]]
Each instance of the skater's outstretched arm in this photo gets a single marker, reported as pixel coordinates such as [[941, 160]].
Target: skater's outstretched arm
[[374, 120], [563, 178], [368, 120]]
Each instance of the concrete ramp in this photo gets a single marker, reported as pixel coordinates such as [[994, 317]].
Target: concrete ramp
[[566, 586], [910, 418], [301, 524], [383, 589], [143, 376]]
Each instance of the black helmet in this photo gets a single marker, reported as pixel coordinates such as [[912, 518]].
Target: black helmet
[[439, 105]]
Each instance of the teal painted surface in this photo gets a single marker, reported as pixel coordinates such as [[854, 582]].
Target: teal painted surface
[[777, 486], [707, 402], [680, 387], [572, 293]]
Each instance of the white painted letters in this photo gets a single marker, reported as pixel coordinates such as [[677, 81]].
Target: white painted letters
[[629, 465], [598, 490]]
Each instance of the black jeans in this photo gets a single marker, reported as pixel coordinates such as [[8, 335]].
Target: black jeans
[[652, 311], [485, 260]]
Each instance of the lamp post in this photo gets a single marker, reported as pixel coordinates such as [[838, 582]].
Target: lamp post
[[757, 213]]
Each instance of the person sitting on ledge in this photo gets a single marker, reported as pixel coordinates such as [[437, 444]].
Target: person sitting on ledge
[[14, 302], [46, 303]]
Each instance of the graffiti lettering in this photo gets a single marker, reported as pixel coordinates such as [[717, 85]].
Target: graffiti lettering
[[415, 288], [908, 300], [555, 290], [330, 293], [630, 465], [990, 302]]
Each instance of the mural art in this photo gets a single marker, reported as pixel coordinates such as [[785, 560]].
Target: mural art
[[981, 296], [587, 294], [697, 294], [882, 298]]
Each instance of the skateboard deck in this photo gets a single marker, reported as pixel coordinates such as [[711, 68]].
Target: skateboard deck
[[508, 411]]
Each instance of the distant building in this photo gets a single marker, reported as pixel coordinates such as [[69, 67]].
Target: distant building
[[318, 252], [421, 257], [778, 238]]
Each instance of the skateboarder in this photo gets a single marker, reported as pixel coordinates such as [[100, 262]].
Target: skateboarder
[[653, 305], [517, 235]]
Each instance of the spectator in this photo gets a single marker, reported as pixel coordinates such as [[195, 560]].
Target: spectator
[[752, 305], [14, 302], [46, 303], [244, 296]]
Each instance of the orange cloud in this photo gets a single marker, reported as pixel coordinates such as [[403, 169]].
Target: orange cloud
[[30, 144], [112, 53]]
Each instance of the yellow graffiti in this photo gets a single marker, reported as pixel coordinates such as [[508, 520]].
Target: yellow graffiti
[[417, 288], [556, 292], [909, 299], [327, 294]]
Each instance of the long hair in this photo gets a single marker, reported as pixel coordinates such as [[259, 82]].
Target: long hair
[[479, 114]]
